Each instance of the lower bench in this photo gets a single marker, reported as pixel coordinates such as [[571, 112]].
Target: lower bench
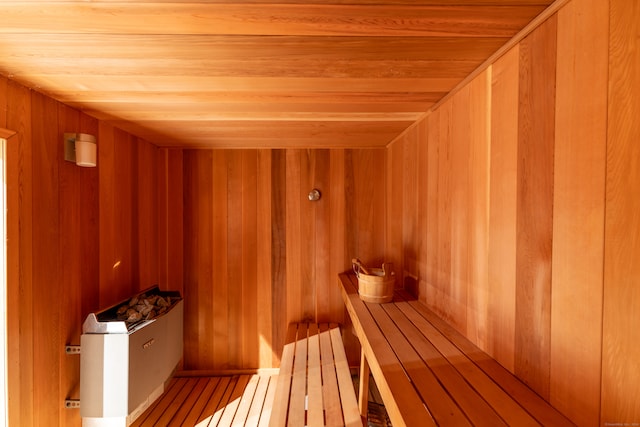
[[314, 385]]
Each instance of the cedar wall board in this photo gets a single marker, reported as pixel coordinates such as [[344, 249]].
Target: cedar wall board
[[561, 294], [259, 255], [578, 205], [71, 240], [621, 338], [519, 245]]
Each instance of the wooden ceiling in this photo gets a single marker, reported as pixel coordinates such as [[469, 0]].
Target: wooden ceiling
[[337, 73]]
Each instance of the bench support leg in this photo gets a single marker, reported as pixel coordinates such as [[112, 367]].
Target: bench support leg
[[363, 390]]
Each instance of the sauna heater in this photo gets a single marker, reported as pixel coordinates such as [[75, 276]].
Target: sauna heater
[[129, 352]]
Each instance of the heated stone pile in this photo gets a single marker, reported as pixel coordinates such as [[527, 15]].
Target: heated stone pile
[[143, 307]]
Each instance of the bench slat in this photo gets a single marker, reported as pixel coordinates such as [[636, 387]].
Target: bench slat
[[297, 399], [330, 391], [319, 390], [349, 403], [281, 406], [315, 416]]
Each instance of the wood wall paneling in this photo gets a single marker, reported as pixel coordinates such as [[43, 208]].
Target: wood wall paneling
[[257, 250], [20, 326], [502, 209], [250, 257], [198, 262], [536, 230], [459, 209], [340, 259], [429, 281], [410, 164], [621, 336], [278, 249], [417, 285], [4, 97], [170, 214], [268, 355], [294, 243], [145, 204], [78, 200], [478, 208], [396, 212], [321, 229], [365, 197], [442, 298], [578, 210], [108, 199], [534, 217], [125, 214], [47, 284], [234, 191]]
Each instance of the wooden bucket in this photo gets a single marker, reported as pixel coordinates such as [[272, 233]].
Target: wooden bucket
[[375, 284]]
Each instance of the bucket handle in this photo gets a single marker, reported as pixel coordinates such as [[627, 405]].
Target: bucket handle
[[357, 267], [387, 269]]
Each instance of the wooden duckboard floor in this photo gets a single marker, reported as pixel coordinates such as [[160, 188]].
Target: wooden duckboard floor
[[236, 400]]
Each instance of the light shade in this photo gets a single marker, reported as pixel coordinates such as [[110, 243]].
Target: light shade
[[85, 150], [80, 148]]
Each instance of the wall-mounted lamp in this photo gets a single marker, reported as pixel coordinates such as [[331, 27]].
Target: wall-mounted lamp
[[80, 148]]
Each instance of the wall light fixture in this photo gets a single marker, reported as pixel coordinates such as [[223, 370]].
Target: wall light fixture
[[80, 148]]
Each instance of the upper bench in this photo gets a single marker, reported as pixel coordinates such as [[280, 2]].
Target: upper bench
[[429, 374]]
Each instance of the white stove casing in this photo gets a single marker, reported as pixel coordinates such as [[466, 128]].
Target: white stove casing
[[122, 374]]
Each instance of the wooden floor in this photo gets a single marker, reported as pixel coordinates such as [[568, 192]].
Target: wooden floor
[[238, 400]]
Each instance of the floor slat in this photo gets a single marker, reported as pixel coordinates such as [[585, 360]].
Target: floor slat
[[213, 402]]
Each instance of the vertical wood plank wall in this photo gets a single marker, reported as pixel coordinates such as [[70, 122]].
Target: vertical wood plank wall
[[621, 338], [80, 239], [258, 254], [247, 249], [527, 235]]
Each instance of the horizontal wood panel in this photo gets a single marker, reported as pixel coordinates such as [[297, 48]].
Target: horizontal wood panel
[[294, 68], [243, 19], [180, 47], [329, 134], [184, 83], [130, 62], [341, 2]]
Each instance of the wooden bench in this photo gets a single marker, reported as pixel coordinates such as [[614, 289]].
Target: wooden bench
[[314, 385], [429, 374]]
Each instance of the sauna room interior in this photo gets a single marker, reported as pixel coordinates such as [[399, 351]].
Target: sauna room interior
[[503, 184]]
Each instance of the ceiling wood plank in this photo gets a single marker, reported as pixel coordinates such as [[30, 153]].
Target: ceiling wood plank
[[70, 47], [258, 19], [61, 84], [256, 73], [285, 116], [312, 68]]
